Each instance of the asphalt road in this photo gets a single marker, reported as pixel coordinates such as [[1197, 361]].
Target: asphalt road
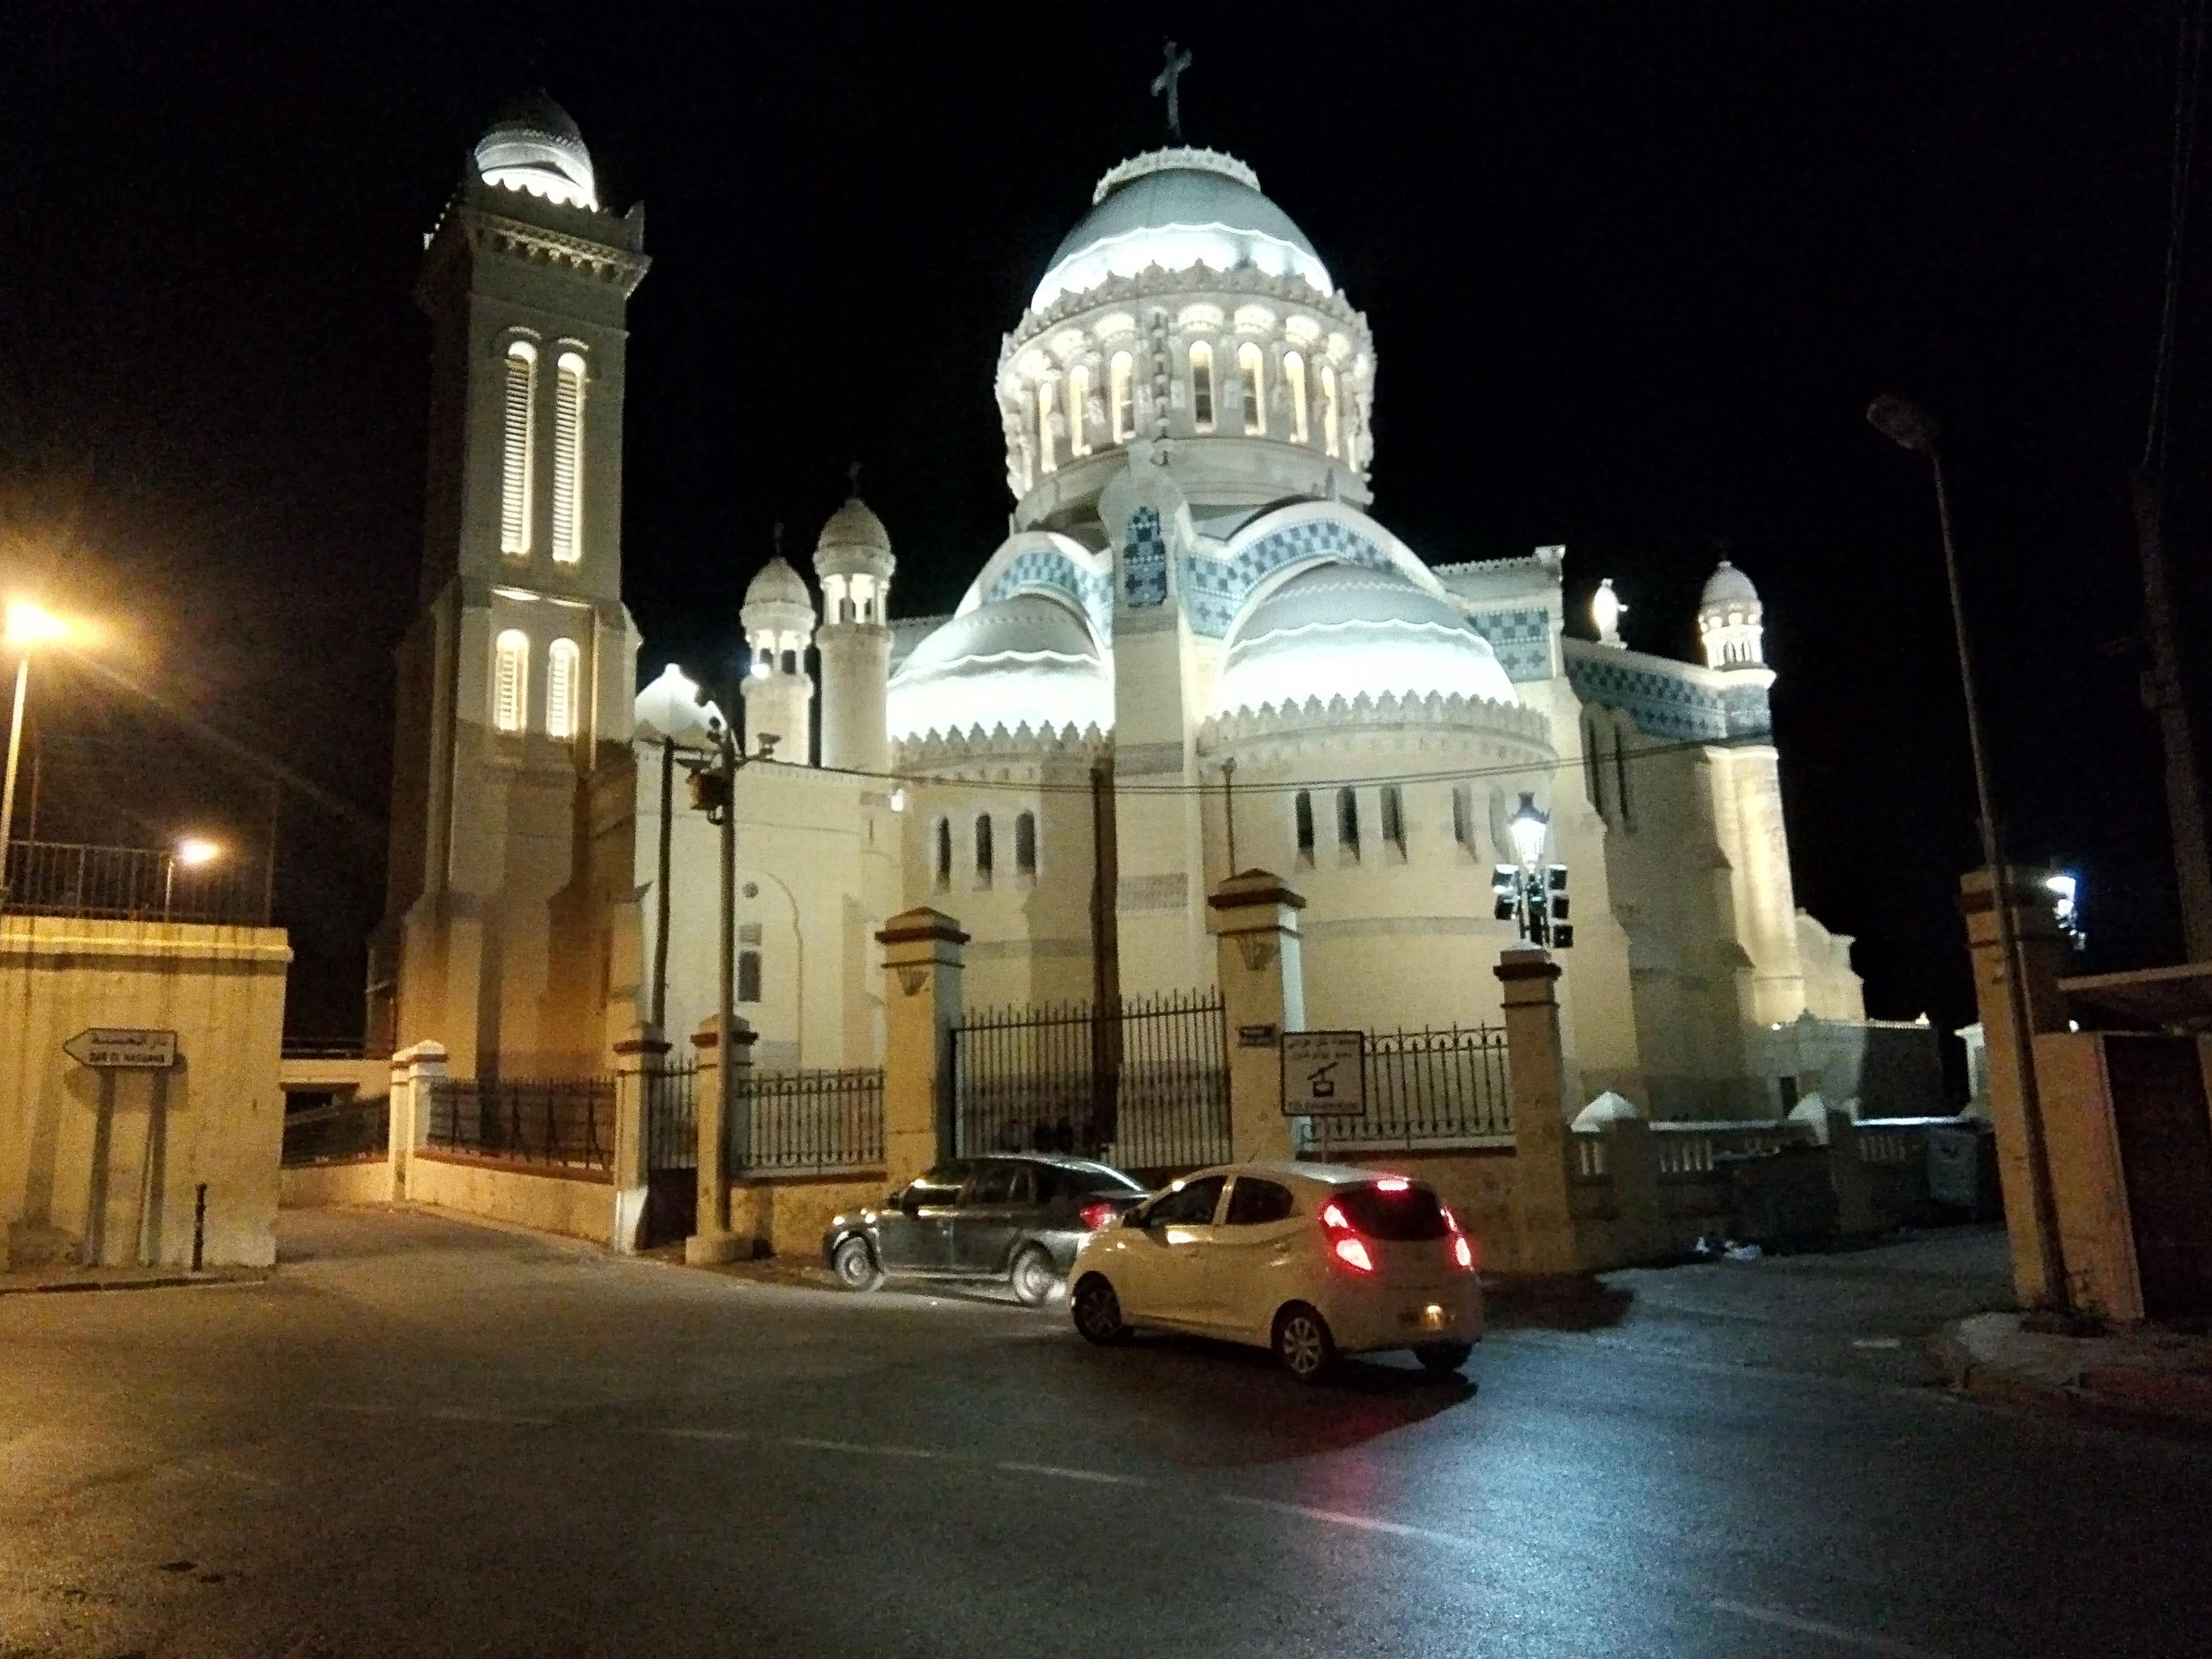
[[427, 1437]]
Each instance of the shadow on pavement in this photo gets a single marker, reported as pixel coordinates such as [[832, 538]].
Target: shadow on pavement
[[1557, 1304]]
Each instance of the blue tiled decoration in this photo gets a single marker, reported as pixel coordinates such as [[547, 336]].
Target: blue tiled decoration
[[1521, 639], [1215, 590], [1050, 568], [1145, 560], [1670, 705]]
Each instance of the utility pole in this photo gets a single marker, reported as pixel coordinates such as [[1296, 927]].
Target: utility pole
[[660, 886], [2162, 696]]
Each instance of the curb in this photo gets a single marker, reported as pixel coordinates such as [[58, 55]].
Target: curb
[[163, 1282], [2085, 1408]]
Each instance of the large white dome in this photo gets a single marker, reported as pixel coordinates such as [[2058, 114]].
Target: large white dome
[[533, 145], [1026, 660], [1343, 630], [1175, 208]]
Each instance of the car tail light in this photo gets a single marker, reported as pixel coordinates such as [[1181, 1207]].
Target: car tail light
[[1099, 1215], [1393, 1184], [1333, 1219], [1463, 1252], [1353, 1253], [1342, 1244]]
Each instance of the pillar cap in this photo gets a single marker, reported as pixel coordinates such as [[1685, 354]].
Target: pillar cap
[[642, 1045], [913, 926], [742, 1035], [1526, 962], [1253, 887], [415, 1053]]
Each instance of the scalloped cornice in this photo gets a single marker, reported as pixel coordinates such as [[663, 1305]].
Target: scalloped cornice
[[1478, 716], [1155, 281], [976, 746]]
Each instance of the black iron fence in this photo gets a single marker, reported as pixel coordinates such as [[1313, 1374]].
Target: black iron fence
[[341, 1133], [672, 1116], [133, 884], [1427, 1087], [569, 1122], [1143, 1082], [819, 1122]]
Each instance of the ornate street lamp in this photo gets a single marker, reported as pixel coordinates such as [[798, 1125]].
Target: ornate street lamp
[[1532, 893]]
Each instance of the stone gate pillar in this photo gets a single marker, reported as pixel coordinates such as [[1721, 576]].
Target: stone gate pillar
[[414, 1070], [1536, 1084], [2036, 1263], [719, 1078], [1254, 919], [922, 965], [637, 1053]]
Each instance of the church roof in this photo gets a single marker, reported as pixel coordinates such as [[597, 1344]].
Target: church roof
[[1175, 208], [1026, 660]]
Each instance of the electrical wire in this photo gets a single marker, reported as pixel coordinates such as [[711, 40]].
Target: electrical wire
[[2188, 51]]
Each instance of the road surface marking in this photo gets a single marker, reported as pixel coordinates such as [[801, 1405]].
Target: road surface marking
[[1339, 1518], [1098, 1475], [855, 1446], [1837, 1633], [1877, 1342], [732, 1437]]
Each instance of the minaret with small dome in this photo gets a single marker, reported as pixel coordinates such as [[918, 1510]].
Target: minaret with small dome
[[853, 564], [1729, 620], [779, 623]]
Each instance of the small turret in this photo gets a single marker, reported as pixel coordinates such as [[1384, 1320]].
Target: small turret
[[779, 621], [853, 559], [1728, 623]]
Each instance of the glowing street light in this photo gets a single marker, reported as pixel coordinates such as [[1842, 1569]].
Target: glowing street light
[[27, 626], [1533, 893], [194, 853]]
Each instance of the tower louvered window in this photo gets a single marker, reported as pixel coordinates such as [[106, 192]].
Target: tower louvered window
[[517, 434], [568, 459], [510, 680], [561, 665]]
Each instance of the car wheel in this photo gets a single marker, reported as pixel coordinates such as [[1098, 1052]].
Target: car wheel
[[1443, 1356], [1304, 1346], [854, 1264], [1034, 1277], [1098, 1312]]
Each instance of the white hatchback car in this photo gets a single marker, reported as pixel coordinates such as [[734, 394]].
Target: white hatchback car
[[1310, 1259]]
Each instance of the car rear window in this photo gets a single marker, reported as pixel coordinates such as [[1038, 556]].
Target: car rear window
[[1087, 1179], [1401, 1215]]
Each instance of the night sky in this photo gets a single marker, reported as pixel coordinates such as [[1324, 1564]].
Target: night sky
[[1633, 272]]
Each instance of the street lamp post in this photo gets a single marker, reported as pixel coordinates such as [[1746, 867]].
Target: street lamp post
[[1531, 893], [192, 851], [26, 626], [1911, 427]]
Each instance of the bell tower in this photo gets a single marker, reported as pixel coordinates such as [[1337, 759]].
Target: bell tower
[[516, 679]]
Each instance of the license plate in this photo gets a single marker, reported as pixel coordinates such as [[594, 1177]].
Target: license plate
[[1431, 1318]]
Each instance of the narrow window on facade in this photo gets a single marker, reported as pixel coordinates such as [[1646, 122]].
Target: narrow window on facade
[[1025, 844], [1047, 460], [982, 849], [944, 853], [748, 976], [510, 680], [1347, 822], [1078, 400], [1250, 366], [562, 662], [1393, 819], [518, 429], [1592, 774], [1463, 816], [568, 458], [1201, 385], [1121, 384], [1294, 376], [1620, 772], [1332, 429], [1303, 810]]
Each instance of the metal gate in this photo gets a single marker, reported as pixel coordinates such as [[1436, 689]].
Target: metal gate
[[672, 1153], [1142, 1083]]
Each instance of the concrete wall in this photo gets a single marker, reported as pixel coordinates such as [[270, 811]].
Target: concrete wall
[[104, 1166], [577, 1203], [788, 1215], [357, 1181]]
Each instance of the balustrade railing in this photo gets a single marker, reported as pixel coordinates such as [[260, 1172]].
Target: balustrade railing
[[131, 883], [568, 1121]]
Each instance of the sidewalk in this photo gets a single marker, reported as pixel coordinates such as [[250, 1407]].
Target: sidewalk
[[2129, 1379], [62, 1277]]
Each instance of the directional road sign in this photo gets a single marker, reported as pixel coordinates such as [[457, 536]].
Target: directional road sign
[[123, 1048], [1324, 1073]]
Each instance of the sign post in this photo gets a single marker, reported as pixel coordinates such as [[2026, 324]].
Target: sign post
[[1324, 1073], [123, 1048]]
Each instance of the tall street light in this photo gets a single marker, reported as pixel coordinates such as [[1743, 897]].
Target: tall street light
[[194, 853], [1911, 427], [27, 626]]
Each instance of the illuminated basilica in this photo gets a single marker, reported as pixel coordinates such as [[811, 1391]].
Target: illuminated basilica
[[1197, 636]]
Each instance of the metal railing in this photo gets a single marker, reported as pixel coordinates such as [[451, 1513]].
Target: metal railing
[[1429, 1087], [343, 1132], [131, 883], [1144, 1083], [672, 1116], [817, 1122], [568, 1121]]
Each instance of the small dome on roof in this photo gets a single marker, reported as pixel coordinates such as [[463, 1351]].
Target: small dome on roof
[[854, 540], [1175, 208], [1727, 585], [777, 602], [1025, 661], [1343, 630], [533, 145], [1729, 620], [670, 707]]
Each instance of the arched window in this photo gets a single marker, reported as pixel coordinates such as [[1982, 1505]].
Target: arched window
[[1294, 376], [1347, 822], [1121, 387], [1463, 816], [1332, 431], [1591, 775], [1201, 385], [568, 458], [1250, 371], [1303, 811], [1047, 457], [518, 431], [1025, 844], [510, 680], [1079, 399], [982, 849], [1393, 819], [749, 962], [944, 853], [562, 660]]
